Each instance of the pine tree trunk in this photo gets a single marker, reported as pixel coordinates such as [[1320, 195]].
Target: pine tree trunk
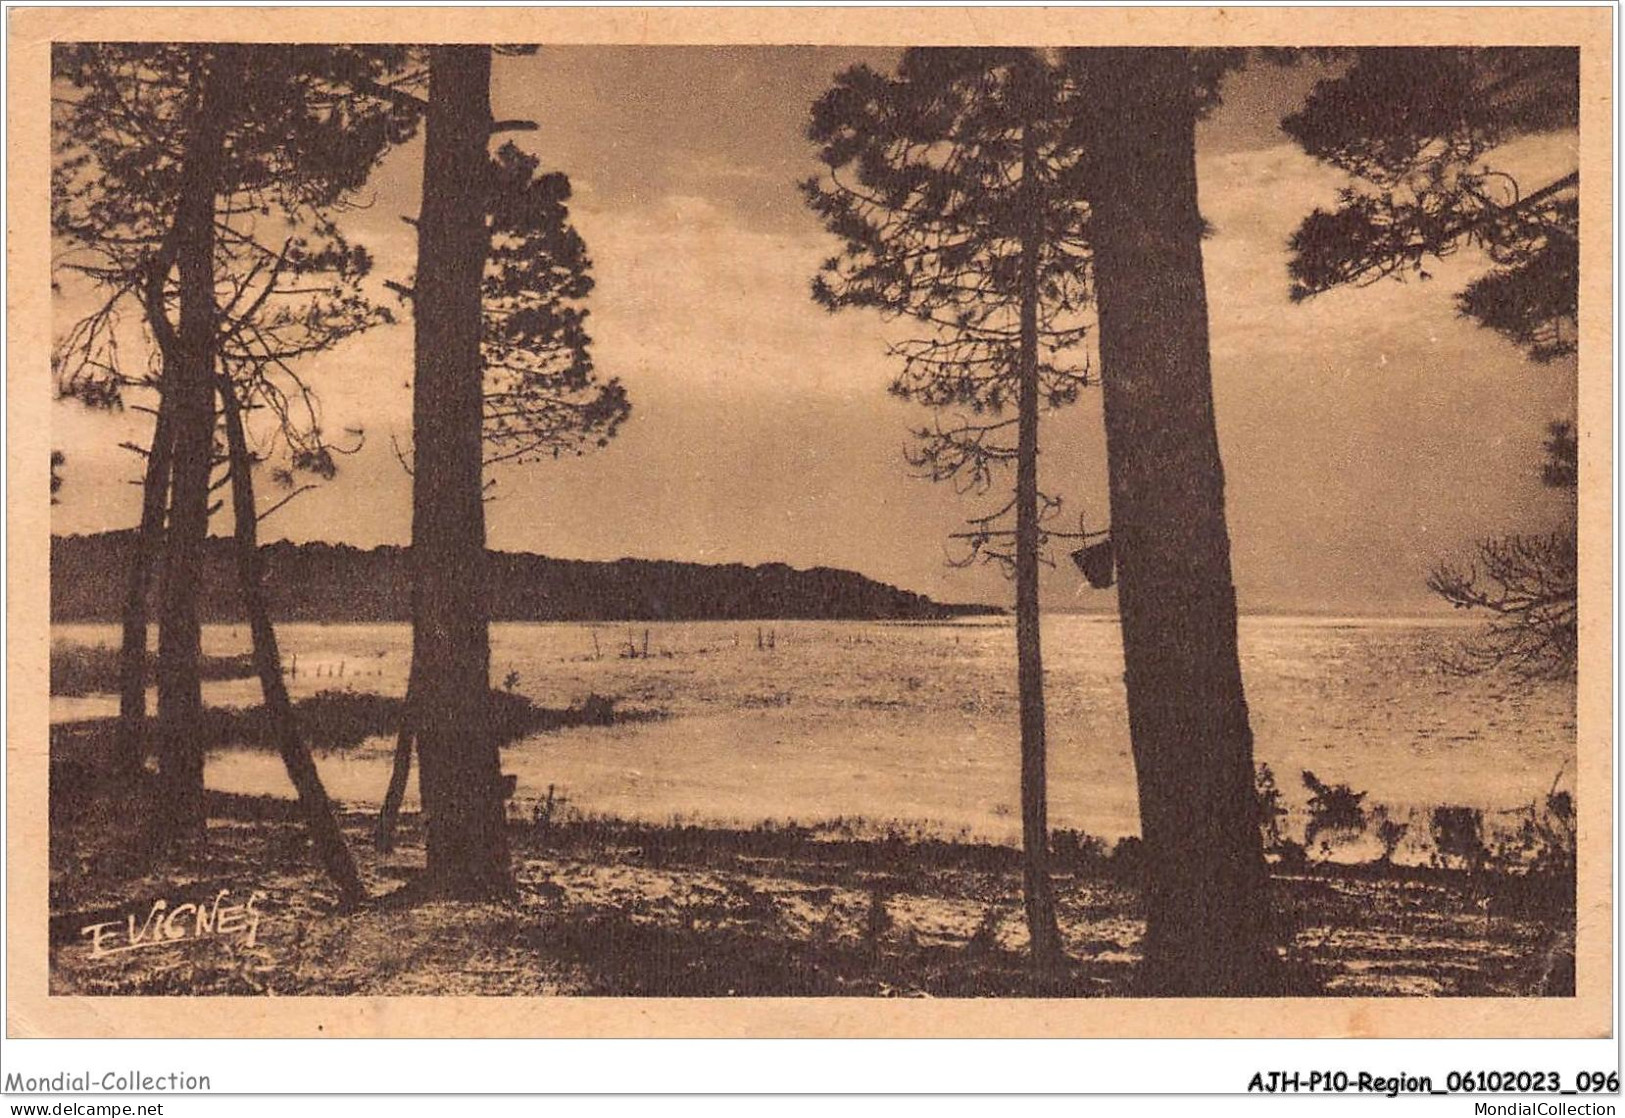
[[1207, 889], [190, 385], [324, 831], [400, 773], [459, 768], [1036, 886], [132, 710]]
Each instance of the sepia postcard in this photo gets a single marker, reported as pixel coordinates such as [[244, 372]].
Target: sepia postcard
[[1073, 522]]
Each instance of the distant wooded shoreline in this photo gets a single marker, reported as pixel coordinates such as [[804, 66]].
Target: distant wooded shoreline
[[336, 582]]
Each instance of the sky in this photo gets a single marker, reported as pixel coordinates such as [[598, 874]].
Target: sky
[[1366, 434]]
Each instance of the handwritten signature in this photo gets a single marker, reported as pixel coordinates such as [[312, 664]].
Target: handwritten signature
[[165, 925]]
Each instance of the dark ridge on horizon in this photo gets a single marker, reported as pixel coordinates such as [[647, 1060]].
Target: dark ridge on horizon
[[322, 581]]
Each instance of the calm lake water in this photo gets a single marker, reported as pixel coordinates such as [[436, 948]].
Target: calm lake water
[[917, 722]]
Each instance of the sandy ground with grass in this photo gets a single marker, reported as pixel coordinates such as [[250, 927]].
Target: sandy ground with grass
[[609, 908]]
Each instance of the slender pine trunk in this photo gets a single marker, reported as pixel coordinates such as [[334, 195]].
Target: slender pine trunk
[[190, 385], [1206, 890], [400, 773], [133, 659], [459, 768], [1036, 885], [325, 834]]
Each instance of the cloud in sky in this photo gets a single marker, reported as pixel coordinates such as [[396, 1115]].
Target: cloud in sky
[[1366, 433]]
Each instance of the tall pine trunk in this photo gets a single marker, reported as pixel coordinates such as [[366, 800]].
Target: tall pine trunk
[[149, 534], [1206, 898], [1037, 889], [190, 386], [459, 769], [323, 828]]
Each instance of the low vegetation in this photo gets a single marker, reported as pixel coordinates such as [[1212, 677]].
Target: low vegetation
[[91, 669], [1524, 858], [336, 720]]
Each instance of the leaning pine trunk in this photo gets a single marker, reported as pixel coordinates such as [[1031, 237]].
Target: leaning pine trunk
[[190, 386], [400, 773], [1036, 886], [325, 835], [459, 770], [1206, 890], [132, 709]]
